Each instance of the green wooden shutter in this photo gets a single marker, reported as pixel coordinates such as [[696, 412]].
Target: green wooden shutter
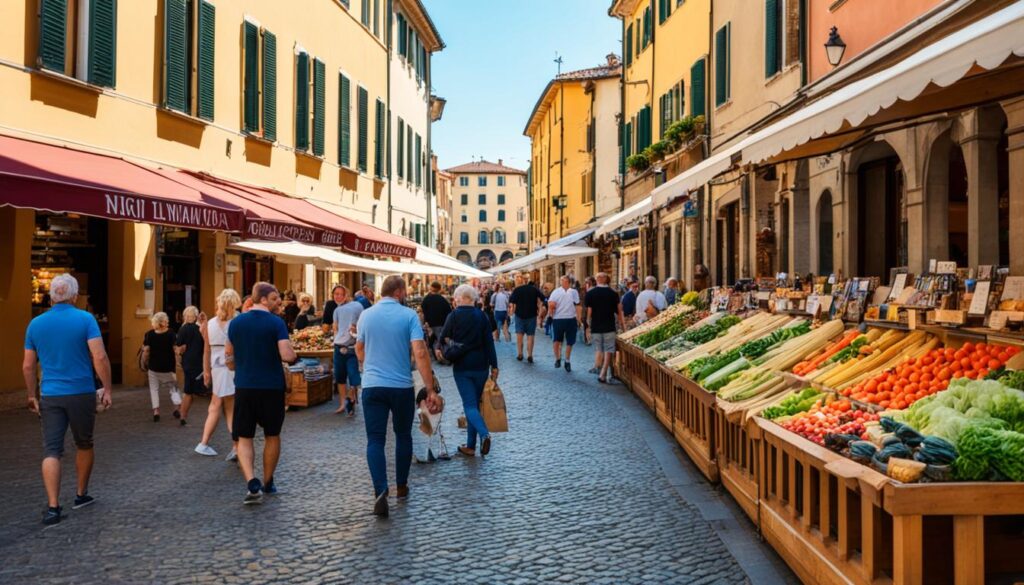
[[772, 56], [53, 23], [302, 102], [364, 130], [628, 144], [401, 148], [629, 45], [251, 76], [403, 31], [639, 33], [103, 42], [408, 153], [721, 65], [697, 81], [662, 10], [344, 121], [269, 93], [205, 62], [176, 84], [419, 161], [319, 106], [378, 142]]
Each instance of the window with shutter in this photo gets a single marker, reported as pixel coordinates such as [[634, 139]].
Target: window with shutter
[[772, 38], [419, 161], [205, 60], [302, 102], [364, 14], [251, 76], [697, 81], [268, 96], [319, 106], [378, 147], [401, 148], [628, 42], [628, 146], [344, 121], [176, 78], [53, 30], [364, 130], [722, 58], [402, 32], [408, 153], [102, 42]]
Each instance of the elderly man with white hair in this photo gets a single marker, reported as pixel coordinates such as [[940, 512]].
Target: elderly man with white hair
[[650, 301], [66, 342]]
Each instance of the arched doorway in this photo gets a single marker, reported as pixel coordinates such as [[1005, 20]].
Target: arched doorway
[[826, 236], [485, 259], [506, 256], [464, 257], [881, 212], [957, 200]]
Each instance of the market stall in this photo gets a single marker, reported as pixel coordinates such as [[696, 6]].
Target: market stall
[[866, 451]]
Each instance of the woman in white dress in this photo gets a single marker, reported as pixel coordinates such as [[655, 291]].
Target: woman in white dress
[[215, 371]]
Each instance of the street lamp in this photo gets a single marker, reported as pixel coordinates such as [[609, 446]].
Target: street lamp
[[835, 47]]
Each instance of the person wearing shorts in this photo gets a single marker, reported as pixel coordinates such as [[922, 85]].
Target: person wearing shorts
[[66, 343], [346, 364], [526, 303], [604, 310], [564, 308], [257, 344]]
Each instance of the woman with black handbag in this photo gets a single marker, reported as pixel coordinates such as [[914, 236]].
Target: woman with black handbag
[[467, 343]]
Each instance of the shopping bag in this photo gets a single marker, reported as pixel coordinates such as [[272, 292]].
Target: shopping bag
[[492, 407]]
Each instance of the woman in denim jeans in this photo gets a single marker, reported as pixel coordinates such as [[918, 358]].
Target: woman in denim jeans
[[468, 326]]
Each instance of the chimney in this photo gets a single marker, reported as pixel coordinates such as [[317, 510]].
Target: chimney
[[500, 162], [613, 60]]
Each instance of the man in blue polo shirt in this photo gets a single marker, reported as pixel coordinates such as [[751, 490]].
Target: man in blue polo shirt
[[66, 343], [257, 344], [387, 333]]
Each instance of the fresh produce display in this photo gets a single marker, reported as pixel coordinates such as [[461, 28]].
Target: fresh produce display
[[793, 403], [668, 328], [988, 453], [842, 346], [311, 339], [663, 317], [758, 325], [881, 352], [716, 372], [674, 346], [1012, 378], [917, 377], [835, 417]]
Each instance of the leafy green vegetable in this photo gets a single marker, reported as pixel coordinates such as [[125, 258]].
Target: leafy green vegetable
[[1013, 379], [793, 404]]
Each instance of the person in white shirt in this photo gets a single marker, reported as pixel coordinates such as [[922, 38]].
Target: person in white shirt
[[650, 297], [499, 304], [566, 316]]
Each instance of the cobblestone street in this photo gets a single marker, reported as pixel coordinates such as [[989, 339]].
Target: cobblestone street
[[585, 489]]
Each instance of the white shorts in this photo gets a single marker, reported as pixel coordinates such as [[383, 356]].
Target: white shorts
[[223, 381]]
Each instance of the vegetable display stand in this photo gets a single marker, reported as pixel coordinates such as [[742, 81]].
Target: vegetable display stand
[[693, 422], [305, 393], [738, 447], [664, 394], [636, 370]]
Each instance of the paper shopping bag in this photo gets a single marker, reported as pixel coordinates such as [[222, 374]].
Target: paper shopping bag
[[492, 407]]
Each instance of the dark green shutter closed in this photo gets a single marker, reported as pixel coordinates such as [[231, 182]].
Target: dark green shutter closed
[[302, 102], [628, 146], [378, 143], [364, 130], [176, 86], [419, 161], [205, 63], [403, 31], [269, 93], [251, 73], [103, 43], [319, 106], [629, 45], [345, 121], [721, 66], [401, 148], [772, 57], [408, 153], [53, 23], [697, 81]]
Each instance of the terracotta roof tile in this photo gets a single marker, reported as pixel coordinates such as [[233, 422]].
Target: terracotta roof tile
[[484, 167]]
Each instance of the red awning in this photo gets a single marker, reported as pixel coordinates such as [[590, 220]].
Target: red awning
[[53, 178], [336, 230]]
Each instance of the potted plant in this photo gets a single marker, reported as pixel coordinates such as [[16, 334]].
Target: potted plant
[[638, 162]]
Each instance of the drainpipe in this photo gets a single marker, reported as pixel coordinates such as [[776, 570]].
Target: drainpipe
[[593, 154], [622, 116], [388, 44], [802, 8], [428, 185], [561, 155]]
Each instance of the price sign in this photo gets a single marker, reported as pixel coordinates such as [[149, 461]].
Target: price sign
[[933, 264], [897, 285], [1013, 288], [813, 305], [979, 303], [946, 268]]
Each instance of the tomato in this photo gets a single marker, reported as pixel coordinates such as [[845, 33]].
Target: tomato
[[927, 360], [1003, 356], [871, 386], [1012, 350], [944, 374], [915, 377], [884, 404], [982, 373], [994, 363]]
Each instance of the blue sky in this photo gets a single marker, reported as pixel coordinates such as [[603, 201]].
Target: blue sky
[[499, 57]]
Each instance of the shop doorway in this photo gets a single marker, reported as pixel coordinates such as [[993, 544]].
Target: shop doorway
[[1003, 185], [825, 234], [178, 251], [881, 215], [255, 269], [728, 244], [957, 218]]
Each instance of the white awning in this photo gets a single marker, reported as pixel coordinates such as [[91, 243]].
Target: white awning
[[986, 43], [427, 255], [326, 258], [626, 216], [530, 260], [545, 257]]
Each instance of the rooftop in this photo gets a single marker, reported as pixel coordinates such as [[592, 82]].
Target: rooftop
[[611, 68], [484, 167]]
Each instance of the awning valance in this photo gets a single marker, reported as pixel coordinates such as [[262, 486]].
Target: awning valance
[[326, 258], [545, 257], [986, 43], [430, 256], [529, 260]]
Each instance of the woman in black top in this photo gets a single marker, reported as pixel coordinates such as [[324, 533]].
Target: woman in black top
[[189, 345], [307, 313], [158, 354], [467, 326], [337, 296], [290, 309]]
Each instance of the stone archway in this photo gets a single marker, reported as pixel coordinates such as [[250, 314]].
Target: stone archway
[[506, 256], [464, 257], [878, 211], [485, 259]]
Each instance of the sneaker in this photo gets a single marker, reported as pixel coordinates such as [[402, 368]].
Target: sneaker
[[232, 456], [83, 501], [568, 367], [270, 488], [205, 450], [593, 371], [254, 495], [380, 506], [176, 413], [52, 516], [558, 363]]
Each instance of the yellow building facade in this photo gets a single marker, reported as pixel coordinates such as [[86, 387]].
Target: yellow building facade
[[567, 128], [489, 213], [291, 100]]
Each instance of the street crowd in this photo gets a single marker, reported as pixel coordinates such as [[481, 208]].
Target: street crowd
[[384, 353]]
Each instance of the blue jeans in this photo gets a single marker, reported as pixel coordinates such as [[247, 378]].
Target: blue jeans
[[471, 387], [346, 367], [378, 403]]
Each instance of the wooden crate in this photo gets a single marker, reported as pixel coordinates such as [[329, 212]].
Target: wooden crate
[[737, 454], [663, 392], [693, 422], [307, 393], [636, 371], [836, 521]]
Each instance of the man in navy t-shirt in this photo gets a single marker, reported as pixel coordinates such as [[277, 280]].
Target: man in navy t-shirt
[[257, 344]]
